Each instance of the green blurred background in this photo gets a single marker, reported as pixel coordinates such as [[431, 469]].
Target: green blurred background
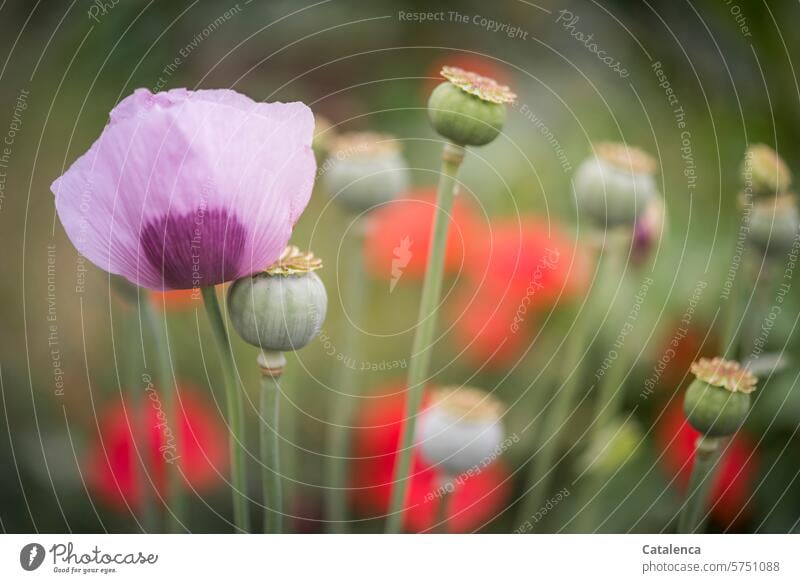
[[362, 66]]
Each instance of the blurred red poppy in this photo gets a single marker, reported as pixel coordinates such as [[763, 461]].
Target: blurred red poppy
[[487, 329], [399, 233], [526, 255], [469, 62], [684, 346], [518, 268], [113, 466], [736, 475], [474, 501]]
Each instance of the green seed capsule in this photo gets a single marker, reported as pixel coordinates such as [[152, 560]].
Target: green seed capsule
[[364, 170], [774, 226], [282, 308], [764, 172], [460, 429], [468, 109], [614, 187], [718, 400]]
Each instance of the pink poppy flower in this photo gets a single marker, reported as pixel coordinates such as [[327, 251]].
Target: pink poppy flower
[[188, 189]]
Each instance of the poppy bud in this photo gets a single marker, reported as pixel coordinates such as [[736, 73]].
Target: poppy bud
[[614, 187], [648, 230], [617, 443], [717, 401], [460, 429], [364, 170], [774, 225], [324, 135], [468, 109], [765, 171], [283, 307]]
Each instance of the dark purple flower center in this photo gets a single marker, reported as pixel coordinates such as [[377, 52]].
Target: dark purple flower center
[[194, 249]]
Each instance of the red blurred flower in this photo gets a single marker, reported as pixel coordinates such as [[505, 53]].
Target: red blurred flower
[[199, 449], [518, 268], [469, 62], [526, 255], [399, 233], [488, 330], [736, 474], [474, 501]]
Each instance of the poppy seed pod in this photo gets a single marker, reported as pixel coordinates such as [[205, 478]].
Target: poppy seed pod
[[281, 308], [468, 109], [460, 429], [324, 136], [615, 186], [764, 171], [365, 170], [774, 225], [717, 401]]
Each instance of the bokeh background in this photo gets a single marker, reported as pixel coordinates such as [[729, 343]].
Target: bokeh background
[[71, 348]]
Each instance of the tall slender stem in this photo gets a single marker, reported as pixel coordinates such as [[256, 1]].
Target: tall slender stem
[[176, 503], [706, 458], [346, 382], [147, 511], [607, 405], [452, 156], [271, 365], [235, 409], [541, 467], [443, 510], [540, 471]]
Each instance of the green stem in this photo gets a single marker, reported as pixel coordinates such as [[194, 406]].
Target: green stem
[[706, 456], [541, 467], [754, 317], [421, 351], [735, 307], [235, 410], [147, 514], [607, 405], [176, 503], [443, 511], [271, 364], [346, 382]]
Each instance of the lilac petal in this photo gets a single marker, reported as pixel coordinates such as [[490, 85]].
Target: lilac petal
[[164, 160]]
